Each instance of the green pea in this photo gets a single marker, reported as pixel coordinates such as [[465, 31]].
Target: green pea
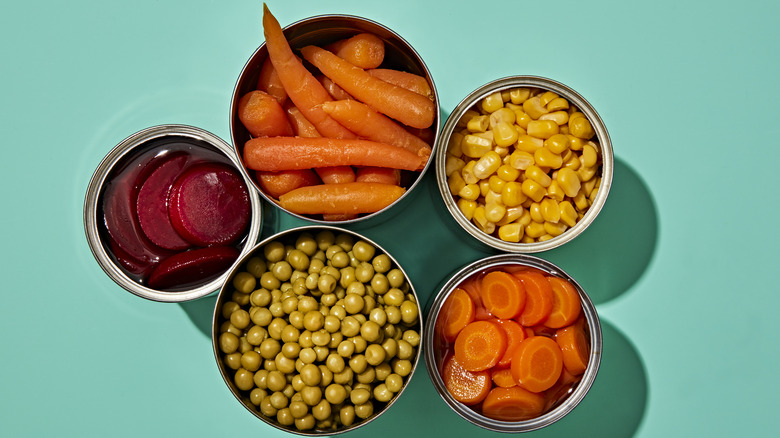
[[311, 395], [311, 375], [412, 337], [390, 346], [320, 338], [382, 371], [228, 342], [306, 244], [233, 360], [375, 354], [307, 422], [260, 298], [240, 319], [307, 304], [347, 415], [347, 276], [335, 340], [364, 272], [278, 400], [327, 375], [256, 266], [296, 319], [364, 410], [353, 303], [335, 393], [382, 394], [338, 311], [325, 238], [244, 282], [394, 382], [275, 381], [305, 339], [363, 251], [244, 379], [360, 344], [328, 299], [335, 363], [396, 277], [269, 281], [356, 288], [282, 270], [307, 355], [379, 283], [350, 326], [359, 396], [370, 330], [284, 364], [269, 348], [266, 408], [298, 409], [358, 363], [297, 384], [394, 297], [298, 260], [344, 377], [322, 410], [228, 308], [345, 348], [382, 263], [291, 350], [340, 260], [251, 360], [409, 312], [326, 283], [405, 350], [368, 376], [313, 320], [257, 395], [261, 379]]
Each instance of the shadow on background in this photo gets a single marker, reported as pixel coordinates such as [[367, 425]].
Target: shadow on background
[[201, 313], [613, 253], [614, 406]]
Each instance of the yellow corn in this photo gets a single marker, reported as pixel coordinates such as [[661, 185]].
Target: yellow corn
[[586, 173], [568, 213], [550, 210], [555, 191], [567, 154], [512, 194], [564, 129], [555, 228], [467, 207], [519, 95], [569, 181], [557, 144], [510, 232], [512, 215], [547, 97], [545, 157], [453, 146], [505, 134], [455, 183], [536, 212], [488, 228], [590, 185], [525, 218], [558, 104], [535, 230], [542, 128], [453, 164], [581, 201], [502, 151], [575, 143], [590, 155], [522, 118], [534, 108], [508, 173], [520, 130], [528, 143], [580, 127], [535, 173], [469, 192], [527, 239], [478, 123], [492, 197], [479, 216], [468, 172], [464, 120], [484, 187], [495, 183], [533, 190], [592, 195], [475, 146], [559, 117], [487, 135], [502, 115], [487, 165], [573, 162], [494, 212], [520, 160], [505, 96], [492, 102]]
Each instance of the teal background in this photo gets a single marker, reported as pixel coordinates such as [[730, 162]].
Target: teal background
[[681, 263]]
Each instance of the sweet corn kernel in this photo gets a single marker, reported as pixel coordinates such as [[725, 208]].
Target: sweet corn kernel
[[547, 97], [581, 201], [453, 146], [479, 216], [555, 228], [505, 96], [512, 194], [528, 143], [535, 210], [522, 118], [494, 212], [568, 213], [533, 190], [573, 162], [455, 183], [520, 130], [575, 143], [557, 144], [495, 183], [505, 134], [502, 151], [469, 192], [488, 228], [502, 115], [527, 239], [478, 124], [464, 120], [510, 232], [580, 127], [544, 237], [558, 104], [545, 157], [559, 117], [512, 214], [487, 165], [535, 173], [555, 191], [475, 146], [569, 181], [467, 207], [586, 173], [487, 135], [519, 95], [564, 129], [520, 160], [590, 155], [484, 187], [592, 195], [534, 108], [508, 173], [567, 154], [591, 184], [525, 218], [453, 164], [535, 230], [551, 211], [542, 128], [493, 197], [492, 102]]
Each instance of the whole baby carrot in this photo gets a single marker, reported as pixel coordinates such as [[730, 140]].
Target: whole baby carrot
[[364, 50], [270, 83], [286, 153], [334, 90], [395, 102], [341, 199], [262, 115], [404, 79]]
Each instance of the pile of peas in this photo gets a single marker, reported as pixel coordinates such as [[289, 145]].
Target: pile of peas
[[320, 333]]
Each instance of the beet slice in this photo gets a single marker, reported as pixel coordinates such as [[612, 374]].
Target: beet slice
[[209, 205], [193, 266], [152, 204]]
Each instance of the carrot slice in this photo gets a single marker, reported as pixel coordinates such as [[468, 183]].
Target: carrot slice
[[364, 50], [262, 115], [480, 345], [537, 363], [566, 306], [539, 297], [382, 175], [276, 184], [503, 377], [301, 86], [512, 404], [574, 347], [270, 83], [404, 79], [347, 198], [286, 153], [456, 313], [515, 334], [393, 101], [502, 294], [465, 386]]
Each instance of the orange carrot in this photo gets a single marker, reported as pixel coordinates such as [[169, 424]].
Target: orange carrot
[[262, 115], [424, 134], [364, 50], [480, 345], [566, 306], [334, 90], [539, 300], [503, 377], [456, 313], [465, 386], [347, 198], [515, 334], [404, 79], [301, 86], [276, 184], [537, 363], [383, 175], [372, 125], [471, 286], [395, 102], [502, 294], [512, 404], [301, 126], [270, 83], [285, 153], [336, 174], [574, 347]]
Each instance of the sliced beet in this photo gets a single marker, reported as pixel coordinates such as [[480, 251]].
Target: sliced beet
[[209, 205], [193, 266], [152, 204]]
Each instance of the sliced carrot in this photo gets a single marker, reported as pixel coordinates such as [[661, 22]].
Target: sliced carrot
[[502, 377], [301, 126], [364, 50], [502, 294], [372, 125], [347, 198], [404, 79], [301, 86], [262, 115], [515, 334], [467, 387], [456, 313], [383, 175], [512, 404], [334, 90], [574, 347], [276, 184], [480, 345], [393, 101], [286, 153], [539, 300], [537, 363], [471, 285], [270, 83], [566, 306]]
